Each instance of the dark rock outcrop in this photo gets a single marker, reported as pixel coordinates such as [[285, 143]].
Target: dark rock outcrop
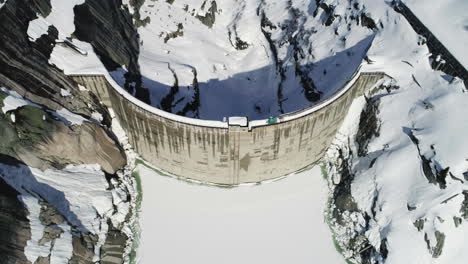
[[14, 225], [83, 248], [113, 249], [24, 65], [464, 207], [209, 18], [369, 125], [110, 30]]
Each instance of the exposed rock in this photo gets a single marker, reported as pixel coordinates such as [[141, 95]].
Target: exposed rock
[[436, 250], [83, 248], [457, 221], [431, 169], [369, 125], [42, 260], [113, 249], [464, 207], [41, 141], [368, 22], [50, 218], [14, 225], [49, 215], [110, 30], [342, 197], [419, 224], [210, 16], [24, 65], [178, 33], [410, 208]]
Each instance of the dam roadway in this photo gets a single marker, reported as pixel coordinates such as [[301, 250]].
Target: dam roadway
[[227, 153]]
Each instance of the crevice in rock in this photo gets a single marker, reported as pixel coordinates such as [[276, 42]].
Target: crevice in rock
[[369, 125], [15, 230], [194, 105], [167, 103]]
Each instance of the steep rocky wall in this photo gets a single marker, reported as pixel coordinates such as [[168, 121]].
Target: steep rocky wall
[[14, 226], [109, 28], [234, 155], [24, 63], [37, 138]]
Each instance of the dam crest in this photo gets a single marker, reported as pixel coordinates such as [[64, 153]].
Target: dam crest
[[237, 151]]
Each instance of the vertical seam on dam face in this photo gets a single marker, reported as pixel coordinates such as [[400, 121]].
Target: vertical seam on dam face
[[233, 154]]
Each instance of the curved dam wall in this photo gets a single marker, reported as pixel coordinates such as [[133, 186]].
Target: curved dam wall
[[216, 152]]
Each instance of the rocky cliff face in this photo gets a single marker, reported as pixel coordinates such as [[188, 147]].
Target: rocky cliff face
[[36, 137], [34, 134], [24, 64], [14, 225], [110, 29]]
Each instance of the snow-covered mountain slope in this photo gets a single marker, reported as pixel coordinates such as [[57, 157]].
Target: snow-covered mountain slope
[[70, 211], [398, 168], [70, 183], [211, 59]]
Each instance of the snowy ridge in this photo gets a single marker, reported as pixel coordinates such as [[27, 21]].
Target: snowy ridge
[[286, 51], [407, 177], [86, 208], [439, 16]]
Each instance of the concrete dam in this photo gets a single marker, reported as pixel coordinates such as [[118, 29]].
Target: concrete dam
[[236, 151]]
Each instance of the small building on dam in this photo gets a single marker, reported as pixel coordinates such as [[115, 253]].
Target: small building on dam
[[236, 151]]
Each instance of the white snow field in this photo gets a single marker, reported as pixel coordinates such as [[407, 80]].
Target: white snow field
[[395, 190], [245, 81], [275, 223], [448, 21]]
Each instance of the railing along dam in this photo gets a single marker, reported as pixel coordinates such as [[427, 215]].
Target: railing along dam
[[229, 153]]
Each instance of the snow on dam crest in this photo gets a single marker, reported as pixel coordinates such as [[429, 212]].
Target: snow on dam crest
[[219, 153]]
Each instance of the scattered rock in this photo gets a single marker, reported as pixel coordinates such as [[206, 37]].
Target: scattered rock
[[210, 16], [457, 221], [419, 224], [83, 248], [464, 206], [436, 250]]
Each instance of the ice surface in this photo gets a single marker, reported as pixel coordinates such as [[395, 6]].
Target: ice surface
[[279, 222]]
